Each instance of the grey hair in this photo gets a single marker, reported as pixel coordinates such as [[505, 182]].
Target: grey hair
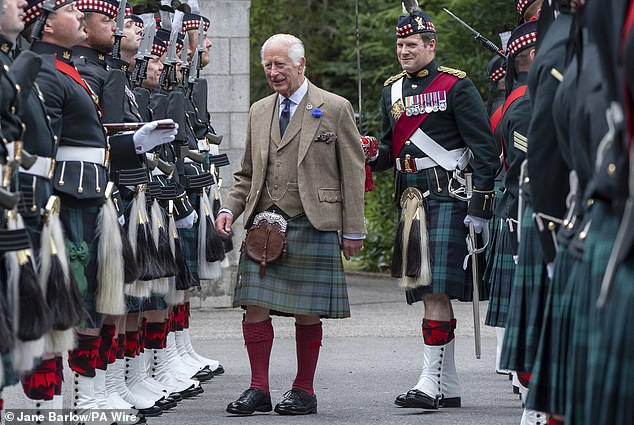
[[294, 44]]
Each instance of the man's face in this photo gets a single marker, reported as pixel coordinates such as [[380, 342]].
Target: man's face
[[413, 54], [282, 75], [11, 21], [154, 68], [131, 37], [99, 30], [65, 27], [193, 44]]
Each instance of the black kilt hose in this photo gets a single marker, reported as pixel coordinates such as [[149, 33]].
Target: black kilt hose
[[309, 280], [80, 233]]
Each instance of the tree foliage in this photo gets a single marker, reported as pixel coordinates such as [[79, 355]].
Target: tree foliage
[[328, 29]]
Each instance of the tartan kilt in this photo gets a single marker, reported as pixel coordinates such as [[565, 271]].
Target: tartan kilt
[[309, 280], [494, 228], [583, 344], [9, 375], [524, 321], [612, 358], [502, 268], [80, 235], [447, 250], [547, 390]]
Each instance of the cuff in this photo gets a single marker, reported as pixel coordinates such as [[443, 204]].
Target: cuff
[[352, 236], [481, 204]]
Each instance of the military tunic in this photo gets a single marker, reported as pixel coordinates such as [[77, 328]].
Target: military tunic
[[464, 123]]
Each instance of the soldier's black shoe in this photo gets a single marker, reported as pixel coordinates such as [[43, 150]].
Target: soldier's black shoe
[[252, 400], [419, 400], [152, 411], [400, 400], [450, 402], [203, 375], [297, 402], [218, 371]]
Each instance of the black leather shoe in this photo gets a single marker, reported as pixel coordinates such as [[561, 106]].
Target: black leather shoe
[[252, 400], [419, 400], [152, 411], [297, 402], [450, 402], [219, 370], [203, 375], [400, 400]]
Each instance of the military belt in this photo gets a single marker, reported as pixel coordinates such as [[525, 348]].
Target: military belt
[[42, 167], [414, 165], [75, 153]]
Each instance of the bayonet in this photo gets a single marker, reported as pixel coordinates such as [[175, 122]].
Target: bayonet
[[168, 75], [200, 46], [118, 32], [145, 50], [47, 8], [482, 39], [184, 61]]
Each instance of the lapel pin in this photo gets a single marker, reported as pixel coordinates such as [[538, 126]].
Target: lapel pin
[[309, 106]]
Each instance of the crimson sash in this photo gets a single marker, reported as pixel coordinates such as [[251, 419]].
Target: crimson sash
[[628, 103], [515, 94], [496, 118], [406, 126], [71, 71]]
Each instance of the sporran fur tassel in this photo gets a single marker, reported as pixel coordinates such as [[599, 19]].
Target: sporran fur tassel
[[55, 277], [184, 276], [397, 256], [138, 237], [416, 262], [206, 269], [131, 269], [166, 259], [110, 268], [30, 315]]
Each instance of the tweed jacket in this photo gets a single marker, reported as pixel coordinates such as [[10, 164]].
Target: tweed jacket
[[330, 170]]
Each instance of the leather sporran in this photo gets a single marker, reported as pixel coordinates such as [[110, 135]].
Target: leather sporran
[[266, 239]]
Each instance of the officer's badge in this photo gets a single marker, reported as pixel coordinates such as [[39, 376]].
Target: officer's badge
[[419, 21], [66, 55], [397, 109]]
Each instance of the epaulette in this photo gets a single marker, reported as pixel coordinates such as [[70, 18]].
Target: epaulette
[[393, 78], [455, 72]]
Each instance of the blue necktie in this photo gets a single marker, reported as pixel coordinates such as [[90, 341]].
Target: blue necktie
[[285, 116]]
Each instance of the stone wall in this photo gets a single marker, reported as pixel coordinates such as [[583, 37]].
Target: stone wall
[[228, 78]]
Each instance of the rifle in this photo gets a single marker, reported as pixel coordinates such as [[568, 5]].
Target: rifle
[[118, 127], [482, 39], [118, 32], [48, 7]]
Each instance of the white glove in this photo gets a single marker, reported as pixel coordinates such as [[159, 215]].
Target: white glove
[[187, 222], [478, 223], [550, 269], [148, 137]]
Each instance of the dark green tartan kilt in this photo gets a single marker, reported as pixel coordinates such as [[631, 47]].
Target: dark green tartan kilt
[[495, 224], [308, 281], [9, 375], [80, 231], [502, 268], [583, 345], [155, 302], [611, 358], [189, 241], [447, 250], [528, 295], [547, 391]]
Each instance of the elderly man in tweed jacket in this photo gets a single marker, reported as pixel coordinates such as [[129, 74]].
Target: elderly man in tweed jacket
[[303, 161]]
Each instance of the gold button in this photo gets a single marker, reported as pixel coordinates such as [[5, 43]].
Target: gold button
[[408, 143], [486, 196], [611, 170], [551, 226], [590, 202], [526, 180]]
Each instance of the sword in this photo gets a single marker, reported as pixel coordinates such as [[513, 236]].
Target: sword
[[482, 39], [473, 252], [48, 7], [118, 32]]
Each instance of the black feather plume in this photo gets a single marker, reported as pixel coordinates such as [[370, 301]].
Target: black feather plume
[[410, 6]]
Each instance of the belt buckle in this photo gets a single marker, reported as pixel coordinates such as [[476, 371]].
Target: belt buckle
[[408, 165]]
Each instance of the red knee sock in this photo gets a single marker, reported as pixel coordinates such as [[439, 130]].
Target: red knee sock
[[41, 382], [308, 342], [83, 359], [155, 334], [106, 351], [436, 332], [132, 344], [524, 378], [553, 421], [258, 337], [59, 368], [120, 350]]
